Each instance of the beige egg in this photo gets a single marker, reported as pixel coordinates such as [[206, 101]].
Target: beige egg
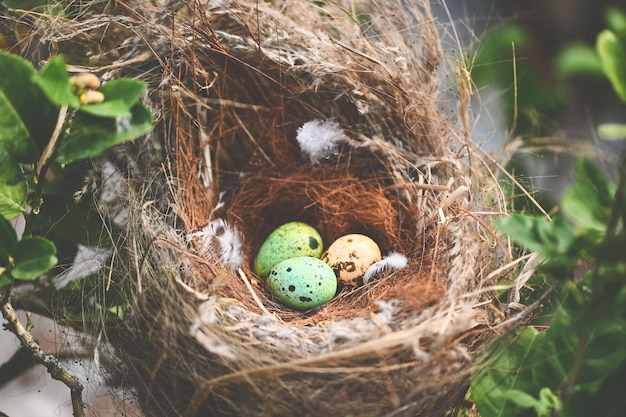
[[350, 256]]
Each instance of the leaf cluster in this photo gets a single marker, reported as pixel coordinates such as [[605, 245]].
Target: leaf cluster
[[575, 366], [48, 133], [572, 367], [607, 58]]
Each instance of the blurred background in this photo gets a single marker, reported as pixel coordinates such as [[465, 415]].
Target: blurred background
[[536, 78]]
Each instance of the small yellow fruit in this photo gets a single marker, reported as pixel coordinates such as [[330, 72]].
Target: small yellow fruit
[[91, 97], [85, 81]]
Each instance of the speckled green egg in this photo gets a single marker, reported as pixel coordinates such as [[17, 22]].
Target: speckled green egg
[[287, 241], [302, 283]]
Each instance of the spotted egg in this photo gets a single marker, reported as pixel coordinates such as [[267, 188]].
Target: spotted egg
[[287, 241], [302, 283], [350, 256]]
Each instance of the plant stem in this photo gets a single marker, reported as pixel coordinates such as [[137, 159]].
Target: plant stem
[[52, 364], [618, 201], [42, 168], [56, 133]]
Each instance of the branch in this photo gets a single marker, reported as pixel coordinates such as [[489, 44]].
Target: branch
[[52, 364]]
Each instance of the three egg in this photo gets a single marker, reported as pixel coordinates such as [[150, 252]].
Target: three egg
[[288, 261]]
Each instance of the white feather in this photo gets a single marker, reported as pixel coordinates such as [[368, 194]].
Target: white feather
[[319, 139], [392, 262], [227, 239]]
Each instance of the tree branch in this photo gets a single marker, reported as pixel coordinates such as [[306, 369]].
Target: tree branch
[[52, 364]]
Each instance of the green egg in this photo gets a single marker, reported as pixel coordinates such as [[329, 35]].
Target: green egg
[[287, 241], [302, 283]]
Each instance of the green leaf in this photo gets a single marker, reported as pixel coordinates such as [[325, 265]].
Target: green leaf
[[588, 201], [54, 82], [528, 364], [77, 223], [550, 402], [603, 355], [36, 112], [579, 59], [13, 189], [616, 20], [90, 136], [8, 239], [609, 402], [613, 58], [502, 372], [33, 257], [539, 234], [527, 361], [4, 281], [118, 311], [16, 74], [554, 353], [520, 228], [15, 140], [108, 109], [521, 398], [119, 98], [611, 250], [125, 89], [543, 407], [612, 131]]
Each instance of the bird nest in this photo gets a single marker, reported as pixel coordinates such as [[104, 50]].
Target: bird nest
[[293, 111]]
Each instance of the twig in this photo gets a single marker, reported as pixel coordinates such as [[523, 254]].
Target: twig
[[256, 297], [42, 167], [515, 104], [525, 314], [52, 364], [53, 140]]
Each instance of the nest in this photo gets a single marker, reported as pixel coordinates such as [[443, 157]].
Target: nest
[[232, 83]]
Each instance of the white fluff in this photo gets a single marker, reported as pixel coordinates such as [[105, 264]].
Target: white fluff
[[391, 262], [388, 309], [319, 139], [227, 239]]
